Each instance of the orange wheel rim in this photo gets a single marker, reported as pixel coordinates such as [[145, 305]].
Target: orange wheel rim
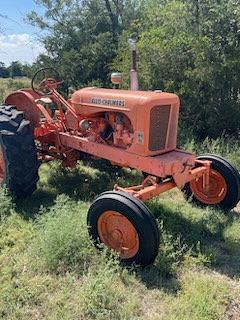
[[118, 233], [216, 191], [2, 166]]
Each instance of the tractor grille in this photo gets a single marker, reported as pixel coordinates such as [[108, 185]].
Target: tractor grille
[[159, 120]]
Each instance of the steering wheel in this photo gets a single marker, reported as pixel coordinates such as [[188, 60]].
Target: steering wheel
[[45, 81]]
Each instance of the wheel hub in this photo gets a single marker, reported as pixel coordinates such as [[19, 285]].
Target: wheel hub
[[118, 233], [214, 193]]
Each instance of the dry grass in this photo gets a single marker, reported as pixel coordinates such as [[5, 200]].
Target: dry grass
[[8, 85]]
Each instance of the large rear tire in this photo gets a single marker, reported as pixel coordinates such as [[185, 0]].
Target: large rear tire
[[224, 191], [18, 155], [124, 224]]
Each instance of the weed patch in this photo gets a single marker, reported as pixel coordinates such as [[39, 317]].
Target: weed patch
[[62, 242]]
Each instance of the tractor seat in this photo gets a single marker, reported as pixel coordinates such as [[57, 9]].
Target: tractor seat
[[45, 100]]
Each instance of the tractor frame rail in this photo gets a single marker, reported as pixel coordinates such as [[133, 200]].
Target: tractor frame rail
[[151, 187]]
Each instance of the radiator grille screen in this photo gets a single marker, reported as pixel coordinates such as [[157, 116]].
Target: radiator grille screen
[[159, 119]]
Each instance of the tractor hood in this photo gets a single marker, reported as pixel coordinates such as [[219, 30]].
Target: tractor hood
[[120, 99]]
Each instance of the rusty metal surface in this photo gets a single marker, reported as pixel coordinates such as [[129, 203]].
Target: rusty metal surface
[[25, 100]]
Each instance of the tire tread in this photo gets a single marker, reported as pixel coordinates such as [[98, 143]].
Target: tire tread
[[19, 151]]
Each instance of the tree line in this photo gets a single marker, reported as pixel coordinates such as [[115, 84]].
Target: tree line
[[190, 47], [15, 69]]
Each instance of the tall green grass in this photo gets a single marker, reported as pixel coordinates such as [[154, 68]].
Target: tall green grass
[[226, 147]]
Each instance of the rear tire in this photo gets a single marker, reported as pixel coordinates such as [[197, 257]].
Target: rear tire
[[222, 173], [124, 224], [18, 155]]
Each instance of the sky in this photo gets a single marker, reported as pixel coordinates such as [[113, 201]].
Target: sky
[[18, 40]]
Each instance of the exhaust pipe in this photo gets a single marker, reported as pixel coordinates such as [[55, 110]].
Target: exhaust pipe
[[133, 72]]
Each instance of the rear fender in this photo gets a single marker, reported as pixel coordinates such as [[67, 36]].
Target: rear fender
[[25, 100]]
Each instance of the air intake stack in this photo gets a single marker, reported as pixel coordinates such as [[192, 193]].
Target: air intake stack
[[133, 73]]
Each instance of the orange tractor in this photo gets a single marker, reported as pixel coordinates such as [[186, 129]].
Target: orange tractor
[[130, 128]]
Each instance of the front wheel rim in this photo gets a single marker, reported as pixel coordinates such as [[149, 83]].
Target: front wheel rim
[[118, 233], [216, 192]]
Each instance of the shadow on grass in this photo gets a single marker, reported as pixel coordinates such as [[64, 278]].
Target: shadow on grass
[[154, 278], [83, 183], [40, 201], [90, 179], [204, 235]]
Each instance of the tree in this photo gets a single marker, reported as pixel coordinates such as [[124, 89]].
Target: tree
[[198, 62], [4, 73], [16, 69], [83, 36]]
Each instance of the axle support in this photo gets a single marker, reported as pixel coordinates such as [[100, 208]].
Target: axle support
[[151, 188]]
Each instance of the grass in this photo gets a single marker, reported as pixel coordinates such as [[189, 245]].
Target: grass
[[49, 268], [8, 85]]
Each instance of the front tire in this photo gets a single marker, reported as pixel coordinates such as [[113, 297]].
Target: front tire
[[124, 224], [18, 155], [224, 190]]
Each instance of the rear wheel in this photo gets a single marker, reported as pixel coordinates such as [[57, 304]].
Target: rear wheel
[[224, 188], [124, 224], [18, 155]]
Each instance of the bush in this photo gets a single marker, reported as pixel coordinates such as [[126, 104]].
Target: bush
[[171, 252], [62, 242]]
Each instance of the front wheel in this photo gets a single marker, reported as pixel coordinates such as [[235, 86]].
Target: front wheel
[[125, 225], [224, 185]]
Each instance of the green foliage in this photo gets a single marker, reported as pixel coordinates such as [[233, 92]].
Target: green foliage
[[62, 241], [228, 148], [83, 180], [15, 69], [82, 36], [4, 72], [171, 252], [15, 233], [6, 204], [191, 49]]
